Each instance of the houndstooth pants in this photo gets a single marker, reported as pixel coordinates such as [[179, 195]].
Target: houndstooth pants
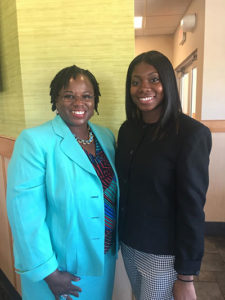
[[151, 276]]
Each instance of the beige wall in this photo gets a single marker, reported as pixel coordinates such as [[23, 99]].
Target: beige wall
[[194, 40], [162, 43], [122, 289], [213, 103], [215, 204]]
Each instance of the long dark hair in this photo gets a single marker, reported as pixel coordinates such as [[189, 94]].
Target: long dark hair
[[171, 103], [62, 78]]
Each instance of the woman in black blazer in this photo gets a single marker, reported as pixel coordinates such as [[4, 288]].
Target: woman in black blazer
[[162, 161]]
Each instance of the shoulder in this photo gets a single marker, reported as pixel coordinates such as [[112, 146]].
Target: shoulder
[[99, 128], [129, 129], [101, 131], [192, 134], [41, 134], [40, 129], [128, 126], [188, 126]]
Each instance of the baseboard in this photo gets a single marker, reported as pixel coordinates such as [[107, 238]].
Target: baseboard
[[215, 228], [7, 290]]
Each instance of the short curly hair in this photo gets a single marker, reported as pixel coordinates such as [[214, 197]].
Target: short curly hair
[[62, 78]]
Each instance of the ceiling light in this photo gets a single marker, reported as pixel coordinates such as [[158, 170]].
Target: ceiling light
[[138, 22]]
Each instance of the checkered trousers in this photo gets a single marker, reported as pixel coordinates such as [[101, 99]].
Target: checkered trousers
[[151, 276]]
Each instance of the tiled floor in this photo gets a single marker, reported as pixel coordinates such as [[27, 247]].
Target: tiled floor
[[210, 284]]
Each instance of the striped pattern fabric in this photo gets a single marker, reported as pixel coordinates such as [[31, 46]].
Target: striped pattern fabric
[[151, 276], [108, 179]]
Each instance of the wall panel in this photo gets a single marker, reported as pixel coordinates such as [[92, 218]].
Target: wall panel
[[96, 35], [11, 93], [215, 204], [6, 251]]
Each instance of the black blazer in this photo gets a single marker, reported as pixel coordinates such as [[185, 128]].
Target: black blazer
[[163, 186]]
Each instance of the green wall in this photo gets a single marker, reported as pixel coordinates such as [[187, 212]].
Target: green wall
[[41, 37], [12, 116]]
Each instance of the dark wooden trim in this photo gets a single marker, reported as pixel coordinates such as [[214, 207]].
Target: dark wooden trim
[[7, 290], [215, 228]]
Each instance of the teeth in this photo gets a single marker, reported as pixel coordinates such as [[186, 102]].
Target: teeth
[[81, 112], [146, 98]]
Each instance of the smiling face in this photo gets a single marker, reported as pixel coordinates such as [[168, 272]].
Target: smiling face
[[75, 103], [146, 91]]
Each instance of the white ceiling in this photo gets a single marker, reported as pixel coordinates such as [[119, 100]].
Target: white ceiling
[[160, 16]]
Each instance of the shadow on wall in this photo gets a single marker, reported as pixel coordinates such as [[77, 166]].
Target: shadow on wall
[[1, 83], [1, 62]]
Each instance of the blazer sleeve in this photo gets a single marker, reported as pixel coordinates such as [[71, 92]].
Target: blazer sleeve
[[26, 206], [192, 184]]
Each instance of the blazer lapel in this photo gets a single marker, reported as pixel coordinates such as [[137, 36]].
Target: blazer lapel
[[70, 146]]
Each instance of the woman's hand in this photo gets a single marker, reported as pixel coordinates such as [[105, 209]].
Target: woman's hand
[[60, 283], [184, 290]]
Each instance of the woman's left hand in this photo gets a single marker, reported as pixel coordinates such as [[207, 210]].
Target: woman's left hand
[[184, 290]]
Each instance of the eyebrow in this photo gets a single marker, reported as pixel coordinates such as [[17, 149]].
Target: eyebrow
[[137, 75], [65, 91]]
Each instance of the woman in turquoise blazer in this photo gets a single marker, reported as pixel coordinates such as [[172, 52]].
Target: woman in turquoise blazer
[[62, 205]]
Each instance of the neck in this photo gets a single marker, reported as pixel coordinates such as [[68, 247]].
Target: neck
[[80, 131], [150, 117]]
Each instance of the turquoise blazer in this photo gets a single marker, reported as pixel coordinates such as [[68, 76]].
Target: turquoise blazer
[[55, 202]]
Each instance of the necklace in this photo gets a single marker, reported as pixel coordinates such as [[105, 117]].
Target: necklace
[[88, 141]]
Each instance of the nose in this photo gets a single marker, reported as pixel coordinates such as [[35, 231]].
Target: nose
[[77, 99], [145, 85]]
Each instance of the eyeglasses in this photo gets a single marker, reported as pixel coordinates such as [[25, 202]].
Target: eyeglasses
[[71, 98]]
